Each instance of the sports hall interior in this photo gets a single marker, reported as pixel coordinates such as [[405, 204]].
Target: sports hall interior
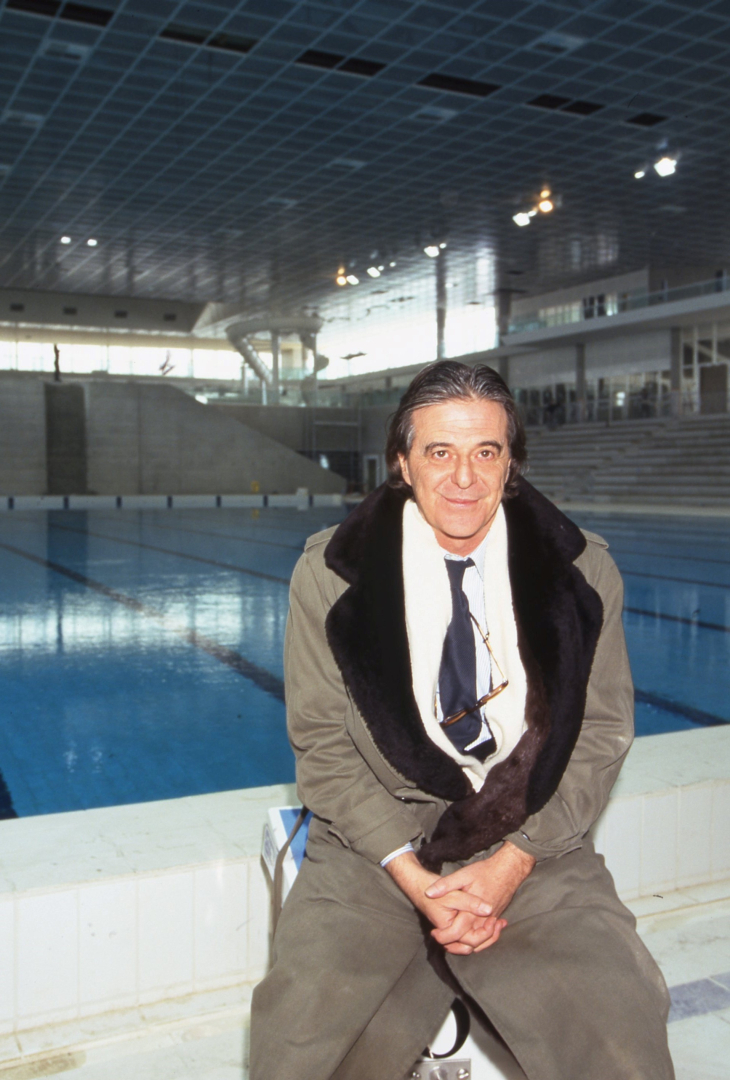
[[231, 232]]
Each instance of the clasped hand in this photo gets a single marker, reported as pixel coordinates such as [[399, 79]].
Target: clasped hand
[[465, 907]]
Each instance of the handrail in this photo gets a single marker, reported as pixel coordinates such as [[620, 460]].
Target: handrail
[[625, 302]]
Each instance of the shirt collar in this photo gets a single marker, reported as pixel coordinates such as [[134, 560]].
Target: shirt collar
[[477, 556]]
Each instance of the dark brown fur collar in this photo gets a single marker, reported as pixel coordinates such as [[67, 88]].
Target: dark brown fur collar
[[559, 618]]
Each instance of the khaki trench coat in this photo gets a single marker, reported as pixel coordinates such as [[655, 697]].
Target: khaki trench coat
[[356, 988]]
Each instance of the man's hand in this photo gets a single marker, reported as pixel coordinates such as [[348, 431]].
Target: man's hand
[[495, 881], [456, 913]]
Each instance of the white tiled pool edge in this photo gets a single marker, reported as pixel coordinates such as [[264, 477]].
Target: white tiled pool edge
[[112, 918]]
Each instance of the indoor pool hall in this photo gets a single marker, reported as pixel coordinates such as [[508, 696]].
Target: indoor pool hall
[[141, 651], [259, 259]]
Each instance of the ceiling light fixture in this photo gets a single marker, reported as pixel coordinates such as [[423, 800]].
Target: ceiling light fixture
[[442, 246], [65, 239], [545, 203], [341, 278], [665, 166], [91, 242], [352, 280], [432, 250], [639, 174], [392, 263], [373, 271]]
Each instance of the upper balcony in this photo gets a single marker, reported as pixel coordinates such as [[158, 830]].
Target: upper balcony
[[616, 312]]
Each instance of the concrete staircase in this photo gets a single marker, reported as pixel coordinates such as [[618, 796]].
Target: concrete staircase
[[652, 462]]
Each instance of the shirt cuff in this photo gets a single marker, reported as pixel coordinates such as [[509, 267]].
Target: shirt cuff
[[398, 851]]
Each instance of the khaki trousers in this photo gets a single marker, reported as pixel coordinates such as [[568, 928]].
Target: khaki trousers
[[356, 989]]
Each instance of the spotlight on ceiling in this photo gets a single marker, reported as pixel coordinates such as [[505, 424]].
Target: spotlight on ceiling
[[640, 174], [545, 193], [341, 278], [545, 206], [522, 219], [91, 242], [65, 239], [373, 271], [432, 250], [352, 280], [665, 166]]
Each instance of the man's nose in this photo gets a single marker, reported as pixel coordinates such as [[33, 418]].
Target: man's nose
[[463, 473]]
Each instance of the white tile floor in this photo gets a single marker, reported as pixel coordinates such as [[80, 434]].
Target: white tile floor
[[688, 933]]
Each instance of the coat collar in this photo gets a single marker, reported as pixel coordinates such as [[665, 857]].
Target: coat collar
[[559, 618]]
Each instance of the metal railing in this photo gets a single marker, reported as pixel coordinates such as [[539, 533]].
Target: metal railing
[[625, 302]]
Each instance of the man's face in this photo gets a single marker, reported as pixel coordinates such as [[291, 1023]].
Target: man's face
[[458, 466]]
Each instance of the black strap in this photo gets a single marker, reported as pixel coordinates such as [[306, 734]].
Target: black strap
[[463, 1026], [279, 869]]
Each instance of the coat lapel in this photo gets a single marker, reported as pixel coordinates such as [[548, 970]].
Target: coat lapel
[[559, 618], [366, 630]]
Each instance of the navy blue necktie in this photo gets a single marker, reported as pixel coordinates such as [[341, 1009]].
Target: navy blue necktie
[[458, 671]]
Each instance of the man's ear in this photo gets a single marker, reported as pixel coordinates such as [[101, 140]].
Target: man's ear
[[403, 462]]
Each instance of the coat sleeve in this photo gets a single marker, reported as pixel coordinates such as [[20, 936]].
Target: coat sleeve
[[334, 781], [606, 733]]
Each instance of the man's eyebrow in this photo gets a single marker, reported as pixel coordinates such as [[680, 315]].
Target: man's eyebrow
[[442, 443]]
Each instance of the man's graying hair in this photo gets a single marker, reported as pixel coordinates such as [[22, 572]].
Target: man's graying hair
[[449, 380]]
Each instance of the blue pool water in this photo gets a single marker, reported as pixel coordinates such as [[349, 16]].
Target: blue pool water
[[140, 652]]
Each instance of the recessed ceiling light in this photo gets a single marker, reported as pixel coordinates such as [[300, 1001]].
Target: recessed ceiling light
[[432, 250], [352, 279], [442, 246], [557, 43], [91, 242], [522, 219], [640, 174], [392, 263], [373, 272], [545, 206], [341, 279], [65, 239], [665, 166]]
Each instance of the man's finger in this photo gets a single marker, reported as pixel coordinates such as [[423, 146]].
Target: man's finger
[[501, 923], [463, 901], [459, 949], [458, 880], [469, 931]]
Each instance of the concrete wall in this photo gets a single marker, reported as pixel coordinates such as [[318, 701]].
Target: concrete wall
[[620, 355], [156, 440], [22, 436], [293, 426]]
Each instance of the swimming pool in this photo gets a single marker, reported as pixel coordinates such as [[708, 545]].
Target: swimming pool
[[140, 651]]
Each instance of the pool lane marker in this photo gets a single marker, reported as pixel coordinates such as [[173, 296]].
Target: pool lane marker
[[257, 675], [169, 551], [227, 536], [681, 580], [697, 716], [680, 619]]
